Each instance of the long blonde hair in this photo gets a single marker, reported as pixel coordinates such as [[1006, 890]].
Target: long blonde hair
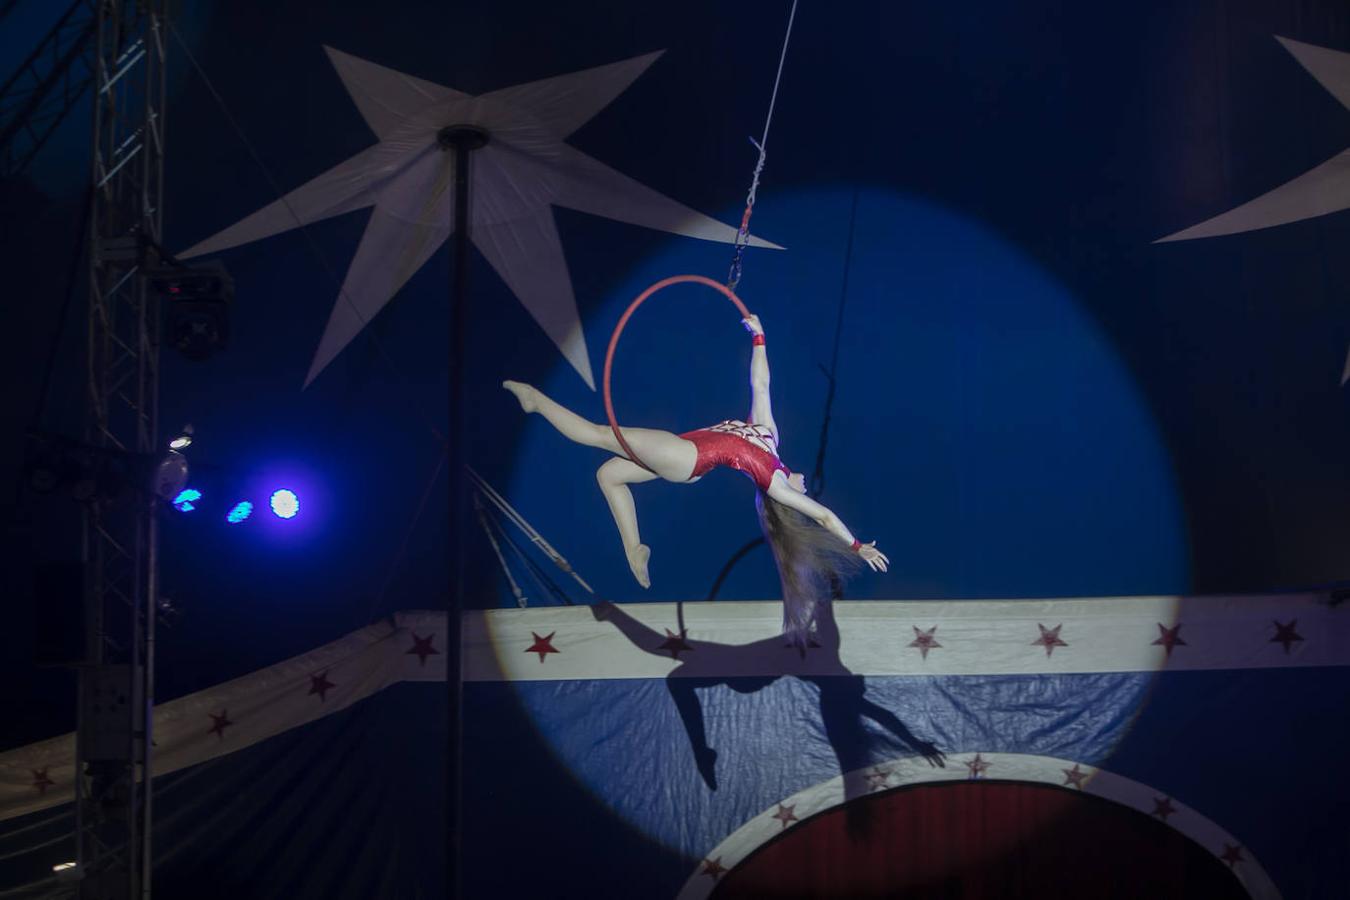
[[811, 563]]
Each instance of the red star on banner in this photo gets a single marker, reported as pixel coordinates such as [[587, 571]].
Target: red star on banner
[[1075, 776], [675, 643], [785, 815], [924, 640], [1232, 854], [422, 648], [1286, 635], [221, 722], [1049, 638], [714, 868], [1169, 637], [877, 778], [542, 645], [41, 781], [1162, 807], [978, 767], [319, 684]]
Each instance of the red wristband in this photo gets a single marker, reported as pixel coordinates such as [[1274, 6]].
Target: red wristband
[[857, 545], [757, 341]]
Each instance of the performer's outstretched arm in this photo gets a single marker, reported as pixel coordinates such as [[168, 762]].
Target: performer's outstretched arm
[[761, 409], [780, 490]]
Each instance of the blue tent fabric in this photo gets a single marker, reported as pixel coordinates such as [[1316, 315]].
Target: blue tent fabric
[[1231, 744]]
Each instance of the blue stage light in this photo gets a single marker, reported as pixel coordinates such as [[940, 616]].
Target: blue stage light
[[241, 511], [186, 501], [285, 504]]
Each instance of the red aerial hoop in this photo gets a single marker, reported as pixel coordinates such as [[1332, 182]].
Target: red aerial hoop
[[618, 330]]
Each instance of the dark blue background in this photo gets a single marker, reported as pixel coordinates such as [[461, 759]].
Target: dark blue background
[[1033, 399]]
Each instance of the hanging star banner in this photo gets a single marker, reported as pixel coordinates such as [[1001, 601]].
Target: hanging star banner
[[525, 170]]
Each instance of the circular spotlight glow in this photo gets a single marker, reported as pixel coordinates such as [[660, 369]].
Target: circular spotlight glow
[[186, 501], [241, 511], [285, 504]]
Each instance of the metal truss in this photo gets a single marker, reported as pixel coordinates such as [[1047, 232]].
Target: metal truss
[[38, 96], [113, 816]]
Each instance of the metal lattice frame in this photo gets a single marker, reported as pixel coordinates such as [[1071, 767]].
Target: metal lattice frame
[[116, 688], [37, 96]]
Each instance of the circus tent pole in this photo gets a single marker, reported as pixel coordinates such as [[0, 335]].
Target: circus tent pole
[[461, 140]]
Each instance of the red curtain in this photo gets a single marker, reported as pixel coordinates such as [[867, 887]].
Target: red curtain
[[982, 840]]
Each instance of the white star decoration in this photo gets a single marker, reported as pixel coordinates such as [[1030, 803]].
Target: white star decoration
[[525, 169], [1320, 191], [1317, 192]]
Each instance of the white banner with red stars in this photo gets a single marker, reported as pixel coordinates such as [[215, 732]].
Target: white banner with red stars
[[242, 712], [910, 637]]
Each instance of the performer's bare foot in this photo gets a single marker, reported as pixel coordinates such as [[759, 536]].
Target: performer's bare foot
[[524, 393], [637, 561]]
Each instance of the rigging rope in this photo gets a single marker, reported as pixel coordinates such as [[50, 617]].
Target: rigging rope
[[496, 499], [743, 233], [521, 600], [546, 585], [817, 483]]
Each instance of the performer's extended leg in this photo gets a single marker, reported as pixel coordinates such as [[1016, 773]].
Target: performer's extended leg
[[670, 456], [614, 478]]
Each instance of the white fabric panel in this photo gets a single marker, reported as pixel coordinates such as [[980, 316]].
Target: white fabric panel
[[528, 255], [1317, 192], [1331, 68], [391, 251], [586, 185], [524, 169], [343, 188], [564, 103], [385, 96]]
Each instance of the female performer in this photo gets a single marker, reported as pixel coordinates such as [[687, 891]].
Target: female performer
[[811, 546]]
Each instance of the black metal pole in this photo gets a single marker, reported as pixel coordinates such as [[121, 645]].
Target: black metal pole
[[461, 140]]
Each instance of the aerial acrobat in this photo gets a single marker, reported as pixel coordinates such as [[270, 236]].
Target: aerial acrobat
[[811, 545]]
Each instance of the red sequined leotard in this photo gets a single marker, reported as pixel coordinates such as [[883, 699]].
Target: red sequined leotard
[[737, 445]]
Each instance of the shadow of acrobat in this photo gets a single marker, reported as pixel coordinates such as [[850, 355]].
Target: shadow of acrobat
[[741, 667]]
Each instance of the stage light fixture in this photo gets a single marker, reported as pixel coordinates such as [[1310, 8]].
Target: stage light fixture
[[171, 475], [186, 501], [285, 504], [183, 440], [198, 299], [241, 511]]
